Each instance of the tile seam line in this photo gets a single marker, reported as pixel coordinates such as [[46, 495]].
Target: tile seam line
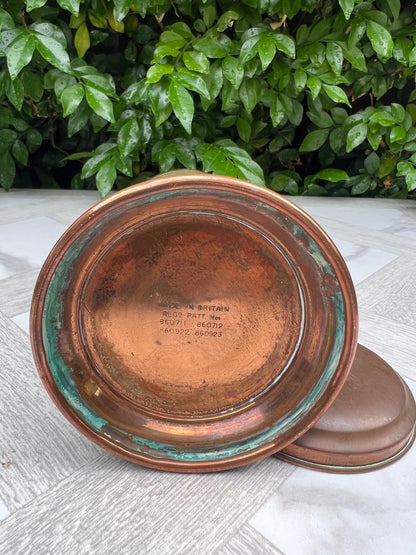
[[49, 490]]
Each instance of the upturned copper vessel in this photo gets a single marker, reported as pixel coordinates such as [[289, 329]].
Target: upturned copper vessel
[[370, 424], [194, 323]]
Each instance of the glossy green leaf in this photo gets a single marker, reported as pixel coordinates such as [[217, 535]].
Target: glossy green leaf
[[106, 177], [100, 82], [136, 92], [233, 70], [277, 112], [7, 170], [383, 118], [337, 140], [20, 53], [161, 106], [209, 14], [6, 20], [356, 135], [296, 114], [361, 185], [336, 94], [354, 55], [374, 138], [314, 140], [14, 92], [100, 103], [192, 81], [50, 30], [71, 98], [164, 50], [123, 164], [339, 115], [227, 19], [182, 29], [166, 157], [285, 44], [404, 167], [357, 31], [398, 112], [372, 163], [247, 168], [7, 138], [169, 37], [244, 129], [248, 49], [300, 78], [315, 190], [394, 6], [76, 20], [62, 82], [397, 134], [53, 52], [335, 57], [266, 48], [71, 6], [182, 104], [323, 119], [224, 157], [156, 72], [6, 38], [411, 181], [127, 138], [185, 154], [34, 4], [314, 84], [93, 164], [249, 93], [331, 174], [380, 39], [211, 47], [32, 84], [196, 61], [121, 9], [347, 6], [20, 152], [283, 182], [214, 82], [33, 140], [6, 117]]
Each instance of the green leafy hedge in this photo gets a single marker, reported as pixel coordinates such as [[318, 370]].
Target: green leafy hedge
[[305, 96]]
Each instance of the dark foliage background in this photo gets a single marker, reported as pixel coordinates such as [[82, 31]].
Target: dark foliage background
[[304, 96]]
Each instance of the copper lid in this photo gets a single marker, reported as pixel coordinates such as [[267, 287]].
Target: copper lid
[[370, 425], [194, 323]]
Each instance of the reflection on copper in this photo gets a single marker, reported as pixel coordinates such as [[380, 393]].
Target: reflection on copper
[[214, 318], [370, 424]]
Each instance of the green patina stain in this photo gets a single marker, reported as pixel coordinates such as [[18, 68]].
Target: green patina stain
[[62, 375]]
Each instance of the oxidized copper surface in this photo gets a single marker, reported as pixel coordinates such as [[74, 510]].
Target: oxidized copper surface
[[194, 323], [370, 424]]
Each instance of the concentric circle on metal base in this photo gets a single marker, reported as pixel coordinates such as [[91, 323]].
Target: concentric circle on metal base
[[194, 323]]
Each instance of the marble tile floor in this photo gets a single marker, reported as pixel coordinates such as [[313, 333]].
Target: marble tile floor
[[59, 493]]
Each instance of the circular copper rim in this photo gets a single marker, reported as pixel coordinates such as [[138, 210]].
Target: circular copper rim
[[81, 377], [370, 425]]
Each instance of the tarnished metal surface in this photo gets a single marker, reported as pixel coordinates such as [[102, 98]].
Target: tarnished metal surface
[[194, 323], [370, 424]]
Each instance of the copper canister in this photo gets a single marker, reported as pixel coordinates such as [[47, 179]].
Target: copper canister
[[194, 323]]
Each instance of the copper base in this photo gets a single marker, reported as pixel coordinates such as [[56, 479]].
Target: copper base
[[370, 425], [194, 323]]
